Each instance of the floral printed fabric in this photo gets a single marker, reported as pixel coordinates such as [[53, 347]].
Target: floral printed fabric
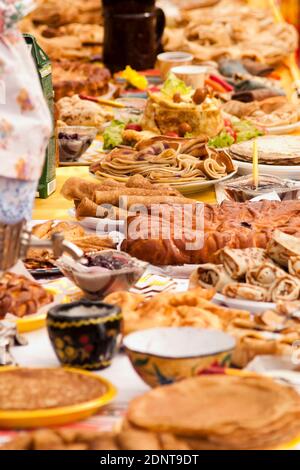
[[11, 11], [16, 200], [25, 124]]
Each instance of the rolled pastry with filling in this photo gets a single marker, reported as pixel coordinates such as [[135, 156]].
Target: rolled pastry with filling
[[285, 288], [294, 266], [237, 262], [282, 246], [245, 292], [210, 275], [264, 275]]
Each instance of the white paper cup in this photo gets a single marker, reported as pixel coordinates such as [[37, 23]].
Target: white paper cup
[[192, 75], [167, 60]]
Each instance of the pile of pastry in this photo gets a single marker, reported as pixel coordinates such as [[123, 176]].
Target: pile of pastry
[[279, 150], [172, 309], [231, 224], [268, 113], [20, 296], [74, 111], [70, 30], [71, 33], [228, 413], [115, 201], [233, 30], [166, 161], [44, 259], [270, 275], [272, 332]]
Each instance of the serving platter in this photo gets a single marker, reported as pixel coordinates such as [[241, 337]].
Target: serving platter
[[280, 130], [190, 188], [241, 304], [58, 416], [99, 225], [285, 172]]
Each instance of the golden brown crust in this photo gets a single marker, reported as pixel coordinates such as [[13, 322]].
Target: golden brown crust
[[232, 224], [20, 296], [71, 78]]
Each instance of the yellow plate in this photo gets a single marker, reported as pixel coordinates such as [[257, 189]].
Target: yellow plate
[[57, 416], [243, 373], [35, 321]]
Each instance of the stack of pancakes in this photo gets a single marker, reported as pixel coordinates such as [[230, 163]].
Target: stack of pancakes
[[215, 413]]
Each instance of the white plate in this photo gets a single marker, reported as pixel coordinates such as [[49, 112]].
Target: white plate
[[189, 188], [239, 304], [286, 172], [280, 130], [99, 225]]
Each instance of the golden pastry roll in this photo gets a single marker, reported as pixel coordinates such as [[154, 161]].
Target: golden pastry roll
[[237, 262], [285, 288], [79, 188], [88, 208], [245, 292], [113, 196], [210, 275], [282, 246], [127, 201], [294, 266], [264, 275]]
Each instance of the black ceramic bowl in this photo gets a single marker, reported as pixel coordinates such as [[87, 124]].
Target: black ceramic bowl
[[85, 334]]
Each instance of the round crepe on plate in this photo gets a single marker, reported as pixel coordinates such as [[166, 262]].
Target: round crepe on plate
[[273, 150]]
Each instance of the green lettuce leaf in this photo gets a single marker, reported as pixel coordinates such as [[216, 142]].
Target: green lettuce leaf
[[174, 85], [221, 140], [112, 136], [245, 131]]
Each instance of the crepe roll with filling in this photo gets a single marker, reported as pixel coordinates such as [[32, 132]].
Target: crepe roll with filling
[[294, 266], [237, 262], [285, 288], [282, 246], [245, 292], [210, 275], [264, 275]]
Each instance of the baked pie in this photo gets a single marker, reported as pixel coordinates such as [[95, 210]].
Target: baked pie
[[71, 78], [74, 111]]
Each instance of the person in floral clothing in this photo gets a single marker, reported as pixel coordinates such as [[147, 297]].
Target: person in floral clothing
[[25, 123]]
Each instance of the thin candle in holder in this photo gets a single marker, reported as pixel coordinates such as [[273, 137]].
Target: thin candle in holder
[[255, 164]]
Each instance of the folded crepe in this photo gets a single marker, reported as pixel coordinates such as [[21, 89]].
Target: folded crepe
[[237, 262], [282, 246], [245, 292], [210, 275], [286, 288], [294, 266], [264, 275]]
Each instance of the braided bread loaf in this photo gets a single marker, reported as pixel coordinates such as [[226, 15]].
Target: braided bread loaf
[[236, 225]]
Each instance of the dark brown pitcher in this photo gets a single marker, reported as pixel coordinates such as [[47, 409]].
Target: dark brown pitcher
[[133, 32]]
